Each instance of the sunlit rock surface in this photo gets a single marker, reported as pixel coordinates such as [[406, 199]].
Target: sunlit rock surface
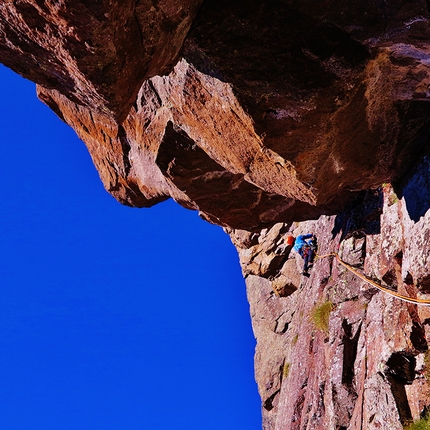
[[369, 368], [270, 118]]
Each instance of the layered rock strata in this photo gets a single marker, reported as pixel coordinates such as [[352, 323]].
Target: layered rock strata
[[261, 114]]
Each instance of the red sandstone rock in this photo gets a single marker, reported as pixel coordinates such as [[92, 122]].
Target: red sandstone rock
[[367, 370], [286, 120], [97, 54], [260, 114]]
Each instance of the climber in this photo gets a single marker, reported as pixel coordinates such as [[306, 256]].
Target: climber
[[306, 249]]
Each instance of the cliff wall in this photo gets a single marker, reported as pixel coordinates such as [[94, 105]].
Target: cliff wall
[[270, 118], [333, 351]]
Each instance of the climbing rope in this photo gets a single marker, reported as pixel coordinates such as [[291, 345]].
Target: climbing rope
[[375, 284]]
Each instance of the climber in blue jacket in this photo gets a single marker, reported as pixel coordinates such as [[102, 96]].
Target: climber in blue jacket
[[306, 249]]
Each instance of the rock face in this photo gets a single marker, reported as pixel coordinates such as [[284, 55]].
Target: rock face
[[96, 53], [270, 118], [334, 352], [289, 109]]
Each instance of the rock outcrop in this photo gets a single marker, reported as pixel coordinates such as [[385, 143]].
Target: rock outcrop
[[270, 118], [289, 110], [333, 351]]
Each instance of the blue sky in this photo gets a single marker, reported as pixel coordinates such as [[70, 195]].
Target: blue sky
[[110, 317]]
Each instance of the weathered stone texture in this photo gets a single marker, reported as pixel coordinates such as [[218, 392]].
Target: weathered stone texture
[[96, 53], [288, 111], [262, 114], [368, 369]]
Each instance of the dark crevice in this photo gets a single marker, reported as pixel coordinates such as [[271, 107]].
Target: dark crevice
[[324, 281], [155, 92], [368, 294], [409, 280], [321, 405], [418, 337], [125, 145], [401, 399], [350, 345], [361, 218], [423, 284], [278, 328], [401, 366], [399, 258], [284, 329], [275, 265], [425, 411], [311, 345], [268, 403], [390, 278], [91, 116], [363, 250], [400, 371], [297, 414], [85, 128], [134, 196], [136, 106], [284, 369]]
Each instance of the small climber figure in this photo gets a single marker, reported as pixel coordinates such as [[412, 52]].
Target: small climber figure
[[306, 249]]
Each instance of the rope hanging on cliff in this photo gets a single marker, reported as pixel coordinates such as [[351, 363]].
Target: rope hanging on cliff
[[379, 287]]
